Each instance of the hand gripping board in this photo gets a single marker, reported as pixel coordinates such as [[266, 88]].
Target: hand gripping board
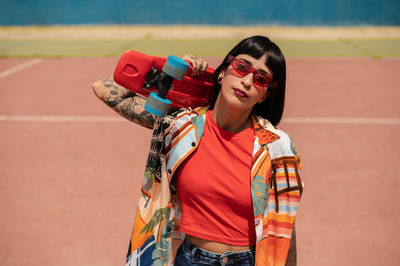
[[133, 67]]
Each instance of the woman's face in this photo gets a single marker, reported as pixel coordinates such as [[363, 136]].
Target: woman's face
[[238, 90]]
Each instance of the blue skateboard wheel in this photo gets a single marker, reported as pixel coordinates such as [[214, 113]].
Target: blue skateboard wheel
[[156, 105], [175, 67]]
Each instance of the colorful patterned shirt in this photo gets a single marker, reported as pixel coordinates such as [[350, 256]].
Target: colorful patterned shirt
[[276, 188]]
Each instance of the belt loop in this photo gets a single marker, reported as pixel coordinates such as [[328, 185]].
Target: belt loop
[[193, 252], [251, 255]]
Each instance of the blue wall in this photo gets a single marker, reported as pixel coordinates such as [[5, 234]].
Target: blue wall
[[201, 12]]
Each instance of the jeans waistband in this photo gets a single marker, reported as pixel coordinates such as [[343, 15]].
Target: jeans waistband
[[226, 258]]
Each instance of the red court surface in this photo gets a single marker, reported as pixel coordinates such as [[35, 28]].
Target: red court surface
[[71, 170]]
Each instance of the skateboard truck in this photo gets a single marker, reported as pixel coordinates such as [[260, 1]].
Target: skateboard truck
[[174, 68]]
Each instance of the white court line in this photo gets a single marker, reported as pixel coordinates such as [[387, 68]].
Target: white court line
[[47, 118], [117, 119], [20, 67], [342, 120]]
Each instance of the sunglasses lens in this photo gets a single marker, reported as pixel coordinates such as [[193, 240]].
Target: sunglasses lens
[[261, 80], [241, 68]]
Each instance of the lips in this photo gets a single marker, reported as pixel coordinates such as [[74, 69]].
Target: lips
[[240, 93]]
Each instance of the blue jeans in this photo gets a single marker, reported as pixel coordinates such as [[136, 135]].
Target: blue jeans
[[189, 254]]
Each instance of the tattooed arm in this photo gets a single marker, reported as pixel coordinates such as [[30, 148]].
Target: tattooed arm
[[124, 102]]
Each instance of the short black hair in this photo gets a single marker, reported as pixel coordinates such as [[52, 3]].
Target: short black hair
[[256, 47]]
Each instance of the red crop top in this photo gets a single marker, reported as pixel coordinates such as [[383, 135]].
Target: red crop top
[[213, 187]]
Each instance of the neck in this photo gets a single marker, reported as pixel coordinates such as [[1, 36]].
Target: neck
[[230, 119]]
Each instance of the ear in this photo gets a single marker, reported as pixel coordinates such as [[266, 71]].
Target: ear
[[221, 76], [264, 97]]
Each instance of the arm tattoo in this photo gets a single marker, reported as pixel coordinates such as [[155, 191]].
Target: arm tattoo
[[117, 94], [133, 109], [128, 104]]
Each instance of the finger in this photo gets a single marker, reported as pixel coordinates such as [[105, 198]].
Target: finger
[[204, 66], [187, 57], [190, 59], [196, 66], [201, 67]]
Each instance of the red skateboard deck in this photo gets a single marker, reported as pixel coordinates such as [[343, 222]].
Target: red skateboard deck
[[133, 67]]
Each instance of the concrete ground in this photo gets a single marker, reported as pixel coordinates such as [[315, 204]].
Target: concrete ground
[[71, 169]]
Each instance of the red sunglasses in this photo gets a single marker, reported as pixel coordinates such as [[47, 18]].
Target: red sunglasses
[[260, 79]]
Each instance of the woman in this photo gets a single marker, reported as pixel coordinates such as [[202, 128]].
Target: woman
[[222, 177]]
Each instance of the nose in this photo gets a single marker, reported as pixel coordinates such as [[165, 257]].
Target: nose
[[247, 80]]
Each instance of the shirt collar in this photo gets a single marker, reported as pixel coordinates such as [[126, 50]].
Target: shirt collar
[[201, 110], [264, 130]]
